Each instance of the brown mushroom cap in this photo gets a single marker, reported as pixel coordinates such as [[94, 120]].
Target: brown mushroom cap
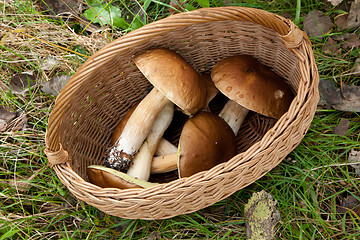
[[205, 141], [174, 78], [246, 81], [108, 177]]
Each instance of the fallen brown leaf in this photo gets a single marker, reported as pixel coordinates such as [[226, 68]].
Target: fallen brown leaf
[[331, 47], [5, 118], [54, 86], [55, 7], [350, 203], [341, 22], [316, 24], [342, 127], [351, 41], [21, 82], [347, 100], [353, 19]]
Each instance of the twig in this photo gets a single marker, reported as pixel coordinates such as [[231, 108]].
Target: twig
[[334, 165]]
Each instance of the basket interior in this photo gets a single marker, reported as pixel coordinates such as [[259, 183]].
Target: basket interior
[[115, 85]]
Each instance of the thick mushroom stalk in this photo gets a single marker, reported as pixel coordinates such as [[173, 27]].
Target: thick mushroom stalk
[[141, 164], [174, 81], [234, 114], [165, 147], [135, 131]]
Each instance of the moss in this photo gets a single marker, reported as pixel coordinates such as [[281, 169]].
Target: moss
[[261, 216]]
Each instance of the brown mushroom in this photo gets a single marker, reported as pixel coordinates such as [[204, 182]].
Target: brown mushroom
[[249, 85], [246, 81], [173, 80], [205, 141], [111, 178]]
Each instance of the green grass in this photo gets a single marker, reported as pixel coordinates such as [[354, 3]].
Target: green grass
[[308, 184]]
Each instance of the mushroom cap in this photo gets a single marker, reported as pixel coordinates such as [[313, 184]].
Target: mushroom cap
[[205, 141], [246, 81], [174, 78], [108, 177]]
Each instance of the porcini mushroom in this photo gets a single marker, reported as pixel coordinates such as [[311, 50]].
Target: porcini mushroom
[[205, 141], [249, 85], [173, 80], [247, 82], [111, 178]]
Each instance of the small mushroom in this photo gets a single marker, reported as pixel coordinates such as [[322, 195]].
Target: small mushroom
[[174, 80], [247, 82], [111, 178], [205, 141]]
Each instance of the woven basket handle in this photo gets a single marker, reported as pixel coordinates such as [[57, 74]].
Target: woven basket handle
[[57, 157]]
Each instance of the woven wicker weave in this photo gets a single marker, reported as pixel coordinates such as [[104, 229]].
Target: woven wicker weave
[[108, 84]]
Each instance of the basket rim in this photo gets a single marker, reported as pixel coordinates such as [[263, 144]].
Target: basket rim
[[286, 30]]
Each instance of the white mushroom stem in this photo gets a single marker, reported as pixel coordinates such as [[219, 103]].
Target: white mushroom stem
[[234, 114], [136, 130], [165, 147], [165, 163], [141, 163]]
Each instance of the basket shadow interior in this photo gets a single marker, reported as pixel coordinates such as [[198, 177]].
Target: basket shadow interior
[[115, 85]]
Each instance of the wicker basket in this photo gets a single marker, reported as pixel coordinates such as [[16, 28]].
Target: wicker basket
[[108, 84]]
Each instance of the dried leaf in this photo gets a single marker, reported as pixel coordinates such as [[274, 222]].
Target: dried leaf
[[23, 185], [347, 100], [316, 24], [5, 117], [353, 19], [261, 216], [350, 41], [54, 86], [349, 203], [331, 47], [55, 7], [335, 2], [354, 157], [341, 22], [342, 127], [356, 68], [21, 82], [48, 63]]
